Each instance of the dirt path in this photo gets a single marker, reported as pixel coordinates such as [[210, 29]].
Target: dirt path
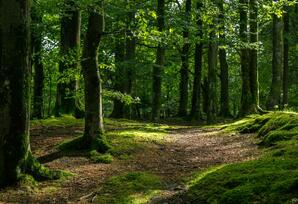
[[183, 152]]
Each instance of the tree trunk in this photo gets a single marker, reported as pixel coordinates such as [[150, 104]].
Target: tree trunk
[[211, 88], [158, 67], [286, 59], [94, 128], [253, 56], [196, 95], [184, 76], [36, 39], [118, 109], [274, 99], [14, 89], [224, 67], [69, 49], [246, 96]]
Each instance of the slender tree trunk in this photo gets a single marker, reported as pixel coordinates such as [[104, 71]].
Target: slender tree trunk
[[196, 95], [158, 67], [69, 49], [274, 98], [36, 39], [118, 109], [183, 103], [224, 67], [94, 128], [245, 107], [211, 88], [253, 56], [286, 59]]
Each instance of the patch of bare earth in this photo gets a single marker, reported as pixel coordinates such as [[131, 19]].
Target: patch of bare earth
[[183, 152]]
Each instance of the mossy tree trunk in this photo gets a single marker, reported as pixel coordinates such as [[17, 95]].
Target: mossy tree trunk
[[69, 50], [14, 89], [94, 128], [159, 64], [184, 75], [224, 67], [196, 95], [15, 155], [36, 40], [274, 99]]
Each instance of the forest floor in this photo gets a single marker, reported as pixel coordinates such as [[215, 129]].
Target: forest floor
[[170, 152]]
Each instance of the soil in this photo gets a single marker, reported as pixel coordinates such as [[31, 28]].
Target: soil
[[183, 152]]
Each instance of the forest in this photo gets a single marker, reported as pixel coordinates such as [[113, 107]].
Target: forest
[[138, 101]]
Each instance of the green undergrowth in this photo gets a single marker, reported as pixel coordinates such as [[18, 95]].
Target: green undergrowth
[[133, 187], [123, 137], [273, 178], [63, 121]]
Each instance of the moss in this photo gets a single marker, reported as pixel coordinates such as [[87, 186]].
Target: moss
[[100, 144], [64, 121], [40, 172], [261, 181], [271, 179], [134, 187], [101, 158]]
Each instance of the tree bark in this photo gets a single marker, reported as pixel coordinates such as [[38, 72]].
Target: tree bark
[[224, 67], [94, 127], [69, 50], [118, 109], [286, 58], [196, 95], [36, 39], [211, 88], [184, 76], [159, 64], [246, 96], [274, 99], [253, 56]]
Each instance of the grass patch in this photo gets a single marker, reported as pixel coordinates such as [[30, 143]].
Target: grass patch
[[134, 187], [64, 121], [101, 158], [271, 179]]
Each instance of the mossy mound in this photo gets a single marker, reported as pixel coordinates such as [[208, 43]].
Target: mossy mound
[[133, 187], [271, 179]]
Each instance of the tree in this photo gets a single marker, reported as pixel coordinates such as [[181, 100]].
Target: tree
[[94, 128], [36, 39], [286, 58], [224, 67], [15, 154], [253, 55], [183, 103], [69, 50], [196, 95], [246, 96], [274, 98], [158, 67]]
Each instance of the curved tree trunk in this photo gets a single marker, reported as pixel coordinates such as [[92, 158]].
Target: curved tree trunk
[[69, 50], [184, 76], [196, 95], [94, 128], [158, 67]]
